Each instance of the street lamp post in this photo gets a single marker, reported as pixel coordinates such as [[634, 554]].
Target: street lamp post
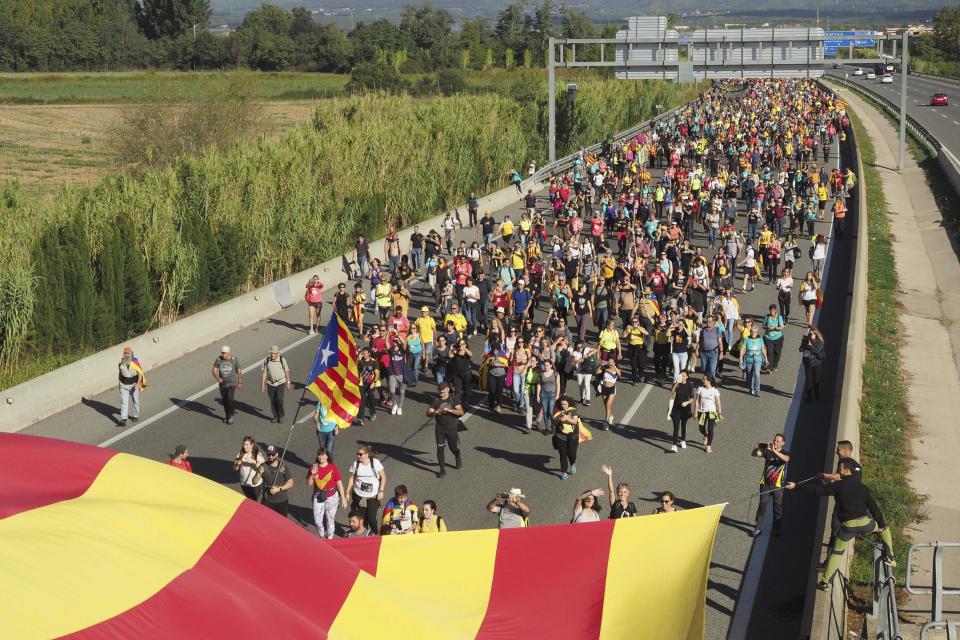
[[904, 62]]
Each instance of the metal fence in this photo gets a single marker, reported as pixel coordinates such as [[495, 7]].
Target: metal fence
[[921, 132], [884, 598], [930, 76], [937, 590], [566, 163]]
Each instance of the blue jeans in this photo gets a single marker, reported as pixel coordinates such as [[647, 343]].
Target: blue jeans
[[518, 390], [713, 236], [326, 440], [416, 255], [470, 311], [362, 265], [548, 401], [441, 376], [416, 358], [752, 232], [603, 316], [708, 362], [753, 373]]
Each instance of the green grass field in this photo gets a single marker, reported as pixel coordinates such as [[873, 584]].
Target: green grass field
[[114, 88]]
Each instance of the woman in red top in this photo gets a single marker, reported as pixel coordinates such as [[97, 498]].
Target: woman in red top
[[328, 493], [314, 298], [179, 459]]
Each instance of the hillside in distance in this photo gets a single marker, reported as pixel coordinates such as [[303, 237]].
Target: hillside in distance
[[600, 10]]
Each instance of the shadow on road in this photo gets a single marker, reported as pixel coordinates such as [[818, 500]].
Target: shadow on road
[[535, 461], [195, 407], [104, 409], [401, 454], [216, 469]]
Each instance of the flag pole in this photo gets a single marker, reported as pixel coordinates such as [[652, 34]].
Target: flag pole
[[283, 454]]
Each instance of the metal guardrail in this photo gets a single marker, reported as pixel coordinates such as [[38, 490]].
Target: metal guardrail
[[937, 590], [931, 76], [888, 104], [884, 598], [565, 163]]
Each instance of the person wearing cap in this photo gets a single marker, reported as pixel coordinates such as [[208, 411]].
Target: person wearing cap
[[427, 327], [513, 512], [276, 481], [131, 383], [226, 371], [179, 458], [274, 378]]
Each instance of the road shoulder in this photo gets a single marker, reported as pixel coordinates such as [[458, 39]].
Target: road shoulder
[[930, 279]]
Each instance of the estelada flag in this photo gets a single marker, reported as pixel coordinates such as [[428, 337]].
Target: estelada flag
[[130, 548], [334, 378]]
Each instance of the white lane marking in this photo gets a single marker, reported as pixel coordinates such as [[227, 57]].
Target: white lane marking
[[944, 115], [955, 122], [181, 403], [632, 411]]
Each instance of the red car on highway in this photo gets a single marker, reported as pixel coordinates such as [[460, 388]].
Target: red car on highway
[[939, 100]]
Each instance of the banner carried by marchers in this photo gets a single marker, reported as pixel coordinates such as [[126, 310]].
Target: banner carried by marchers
[[99, 544]]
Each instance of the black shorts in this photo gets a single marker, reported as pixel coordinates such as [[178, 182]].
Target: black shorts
[[315, 305], [606, 391]]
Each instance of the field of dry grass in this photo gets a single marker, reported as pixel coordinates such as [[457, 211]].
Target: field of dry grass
[[46, 146]]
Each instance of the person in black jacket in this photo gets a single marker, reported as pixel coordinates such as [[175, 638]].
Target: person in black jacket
[[811, 346], [859, 515]]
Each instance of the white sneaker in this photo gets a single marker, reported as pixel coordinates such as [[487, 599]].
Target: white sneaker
[[393, 410], [399, 411], [683, 444], [311, 332], [674, 448]]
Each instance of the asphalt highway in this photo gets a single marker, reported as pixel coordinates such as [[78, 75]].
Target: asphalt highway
[[942, 122], [181, 406]]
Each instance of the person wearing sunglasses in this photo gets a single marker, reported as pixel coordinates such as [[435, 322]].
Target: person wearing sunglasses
[[668, 503]]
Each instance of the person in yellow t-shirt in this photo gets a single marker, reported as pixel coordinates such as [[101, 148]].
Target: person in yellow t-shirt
[[427, 326], [430, 520], [458, 319]]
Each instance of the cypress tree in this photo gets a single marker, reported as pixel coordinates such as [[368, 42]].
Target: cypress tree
[[79, 284], [50, 305], [109, 325], [139, 297]]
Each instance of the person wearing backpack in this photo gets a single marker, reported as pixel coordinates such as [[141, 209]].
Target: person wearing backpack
[[274, 378], [430, 520]]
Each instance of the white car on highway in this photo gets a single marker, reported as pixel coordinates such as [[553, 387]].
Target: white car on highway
[[858, 72], [871, 76], [886, 78]]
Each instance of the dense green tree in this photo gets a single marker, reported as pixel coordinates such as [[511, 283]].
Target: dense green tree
[[369, 39], [368, 76], [946, 31], [172, 18]]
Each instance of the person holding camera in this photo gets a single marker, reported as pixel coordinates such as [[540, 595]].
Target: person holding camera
[[775, 461], [566, 436], [512, 511], [447, 411], [365, 486], [811, 348]]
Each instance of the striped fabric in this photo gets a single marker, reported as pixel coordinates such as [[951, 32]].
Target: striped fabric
[[98, 544], [333, 377]]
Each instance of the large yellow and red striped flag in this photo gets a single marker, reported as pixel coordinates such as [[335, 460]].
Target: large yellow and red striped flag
[[333, 377], [99, 544]]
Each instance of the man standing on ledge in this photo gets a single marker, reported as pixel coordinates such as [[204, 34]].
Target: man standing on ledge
[[226, 371], [859, 515]]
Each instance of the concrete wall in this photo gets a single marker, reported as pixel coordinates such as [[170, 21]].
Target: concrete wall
[[57, 390], [951, 167], [829, 609]]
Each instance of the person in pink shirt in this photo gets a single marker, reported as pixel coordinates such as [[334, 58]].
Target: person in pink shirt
[[314, 298], [179, 459], [400, 324]]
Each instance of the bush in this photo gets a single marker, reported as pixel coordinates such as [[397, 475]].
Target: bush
[[154, 133], [370, 76], [451, 81]]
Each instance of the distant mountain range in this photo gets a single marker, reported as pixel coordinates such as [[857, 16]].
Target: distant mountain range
[[694, 12]]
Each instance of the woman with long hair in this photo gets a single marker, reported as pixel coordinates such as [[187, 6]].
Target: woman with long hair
[[609, 375], [681, 410], [328, 493], [709, 411], [430, 520], [809, 294], [586, 508], [247, 462]]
